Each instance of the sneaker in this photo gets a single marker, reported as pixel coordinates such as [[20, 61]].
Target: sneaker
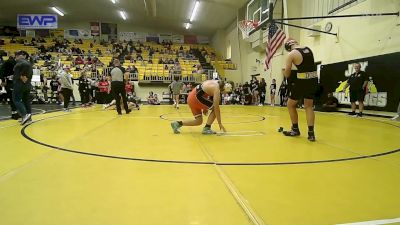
[[26, 118], [66, 110], [15, 116], [397, 117], [352, 114], [292, 133], [207, 130], [175, 127], [311, 136], [360, 114], [129, 111]]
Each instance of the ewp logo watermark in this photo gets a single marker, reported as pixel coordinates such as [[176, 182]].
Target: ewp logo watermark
[[37, 21]]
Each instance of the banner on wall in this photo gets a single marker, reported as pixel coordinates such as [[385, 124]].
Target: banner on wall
[[382, 92], [203, 40], [95, 29], [110, 30], [42, 33], [152, 38], [190, 39], [37, 21], [165, 37], [57, 33], [178, 39], [134, 36], [77, 33]]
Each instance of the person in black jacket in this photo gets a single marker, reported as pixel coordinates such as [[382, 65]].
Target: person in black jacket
[[84, 88], [22, 86], [6, 74], [262, 89]]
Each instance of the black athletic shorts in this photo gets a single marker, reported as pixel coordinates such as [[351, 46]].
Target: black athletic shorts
[[303, 88], [357, 95]]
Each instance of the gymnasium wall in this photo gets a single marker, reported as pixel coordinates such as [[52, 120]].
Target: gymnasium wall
[[358, 37], [251, 61]]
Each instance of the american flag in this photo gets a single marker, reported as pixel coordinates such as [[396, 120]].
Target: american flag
[[275, 39]]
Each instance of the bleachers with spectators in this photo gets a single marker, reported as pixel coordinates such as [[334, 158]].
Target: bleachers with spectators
[[147, 61]]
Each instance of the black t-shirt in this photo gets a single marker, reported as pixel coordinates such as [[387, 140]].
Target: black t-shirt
[[246, 88], [332, 100], [54, 85], [84, 84], [356, 81], [254, 85], [262, 87]]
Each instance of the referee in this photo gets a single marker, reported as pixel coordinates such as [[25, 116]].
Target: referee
[[118, 76], [358, 82]]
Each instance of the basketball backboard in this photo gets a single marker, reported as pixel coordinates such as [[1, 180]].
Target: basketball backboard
[[258, 10]]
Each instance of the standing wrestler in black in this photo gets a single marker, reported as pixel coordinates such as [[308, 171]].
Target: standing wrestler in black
[[303, 86]]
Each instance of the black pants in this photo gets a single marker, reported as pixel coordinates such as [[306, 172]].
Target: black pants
[[84, 96], [282, 99], [118, 91], [21, 97], [67, 93], [262, 98], [9, 90]]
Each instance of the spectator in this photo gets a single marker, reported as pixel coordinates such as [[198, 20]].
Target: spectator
[[22, 86], [152, 99], [104, 90], [176, 88], [84, 88], [283, 92], [273, 92], [262, 89], [54, 87], [66, 87], [254, 90], [331, 104]]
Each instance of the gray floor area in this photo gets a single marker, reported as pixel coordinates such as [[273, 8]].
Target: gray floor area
[[5, 110]]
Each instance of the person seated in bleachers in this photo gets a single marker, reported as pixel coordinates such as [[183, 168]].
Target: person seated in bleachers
[[79, 60]]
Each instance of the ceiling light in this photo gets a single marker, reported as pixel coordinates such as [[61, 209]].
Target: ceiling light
[[122, 13], [113, 1], [187, 26], [57, 11], [196, 6]]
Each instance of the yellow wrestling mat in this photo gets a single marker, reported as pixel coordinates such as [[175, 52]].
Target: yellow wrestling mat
[[94, 167]]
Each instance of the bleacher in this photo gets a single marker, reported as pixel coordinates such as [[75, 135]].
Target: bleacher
[[147, 71]]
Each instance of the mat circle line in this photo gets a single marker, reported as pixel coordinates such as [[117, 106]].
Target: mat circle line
[[26, 136]]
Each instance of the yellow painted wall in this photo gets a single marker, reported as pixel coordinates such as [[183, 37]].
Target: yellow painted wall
[[358, 37]]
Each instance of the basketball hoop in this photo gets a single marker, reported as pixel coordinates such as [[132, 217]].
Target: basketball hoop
[[246, 26]]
